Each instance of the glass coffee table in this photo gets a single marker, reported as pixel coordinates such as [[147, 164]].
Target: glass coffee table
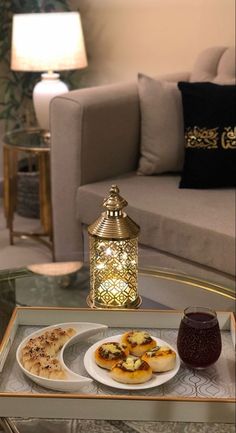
[[159, 288]]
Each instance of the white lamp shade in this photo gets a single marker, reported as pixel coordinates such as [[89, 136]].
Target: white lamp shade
[[47, 42]]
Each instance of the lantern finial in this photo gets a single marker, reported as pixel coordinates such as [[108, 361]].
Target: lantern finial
[[114, 202]]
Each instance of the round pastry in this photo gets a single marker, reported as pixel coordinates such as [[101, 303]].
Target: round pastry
[[108, 354], [138, 342], [131, 371], [160, 358]]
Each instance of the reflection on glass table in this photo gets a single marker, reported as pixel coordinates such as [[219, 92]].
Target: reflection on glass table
[[159, 289]]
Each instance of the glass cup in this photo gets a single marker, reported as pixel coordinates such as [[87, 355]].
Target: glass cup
[[199, 337]]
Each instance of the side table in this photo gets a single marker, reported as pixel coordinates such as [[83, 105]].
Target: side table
[[35, 143]]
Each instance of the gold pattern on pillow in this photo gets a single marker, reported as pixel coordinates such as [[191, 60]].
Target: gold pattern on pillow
[[201, 137], [209, 115], [228, 138], [207, 138]]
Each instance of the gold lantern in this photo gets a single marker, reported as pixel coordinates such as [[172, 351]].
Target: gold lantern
[[113, 243]]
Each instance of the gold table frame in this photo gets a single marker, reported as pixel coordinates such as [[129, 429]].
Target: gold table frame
[[11, 151]]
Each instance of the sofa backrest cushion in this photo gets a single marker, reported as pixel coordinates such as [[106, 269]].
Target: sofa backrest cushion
[[162, 127], [216, 64]]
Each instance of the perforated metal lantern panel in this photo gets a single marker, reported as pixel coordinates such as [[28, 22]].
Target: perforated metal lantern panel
[[113, 257]]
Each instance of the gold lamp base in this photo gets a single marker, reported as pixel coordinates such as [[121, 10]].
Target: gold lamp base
[[135, 304]]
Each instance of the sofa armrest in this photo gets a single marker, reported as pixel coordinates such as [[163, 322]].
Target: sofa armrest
[[94, 135], [100, 127]]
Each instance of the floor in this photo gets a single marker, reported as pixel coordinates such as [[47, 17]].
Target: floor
[[24, 251], [100, 426]]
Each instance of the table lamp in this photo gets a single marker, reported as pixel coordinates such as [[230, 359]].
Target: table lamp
[[113, 239], [47, 42]]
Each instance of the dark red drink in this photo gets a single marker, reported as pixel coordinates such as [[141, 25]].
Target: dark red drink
[[199, 338]]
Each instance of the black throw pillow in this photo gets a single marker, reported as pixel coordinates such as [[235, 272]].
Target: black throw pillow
[[210, 135]]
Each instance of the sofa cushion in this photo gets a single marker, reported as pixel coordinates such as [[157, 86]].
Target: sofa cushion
[[198, 226], [210, 140], [162, 129], [215, 64]]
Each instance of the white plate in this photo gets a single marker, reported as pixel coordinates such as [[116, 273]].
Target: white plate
[[103, 376], [74, 381]]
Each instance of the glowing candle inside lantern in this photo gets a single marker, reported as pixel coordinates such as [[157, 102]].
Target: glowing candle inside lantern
[[113, 291]]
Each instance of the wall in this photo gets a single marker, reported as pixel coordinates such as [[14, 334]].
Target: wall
[[124, 37], [150, 36]]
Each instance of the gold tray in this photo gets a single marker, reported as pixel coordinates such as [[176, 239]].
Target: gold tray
[[191, 396]]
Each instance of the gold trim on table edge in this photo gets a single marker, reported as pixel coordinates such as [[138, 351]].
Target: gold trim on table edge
[[117, 397], [191, 281]]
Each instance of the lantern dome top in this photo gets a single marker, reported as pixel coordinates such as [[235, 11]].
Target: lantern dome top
[[114, 223]]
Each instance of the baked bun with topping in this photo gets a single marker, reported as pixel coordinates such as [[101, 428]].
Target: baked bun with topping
[[131, 371], [160, 358], [138, 342], [108, 354]]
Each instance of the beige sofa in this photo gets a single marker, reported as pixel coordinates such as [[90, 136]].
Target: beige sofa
[[95, 143]]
